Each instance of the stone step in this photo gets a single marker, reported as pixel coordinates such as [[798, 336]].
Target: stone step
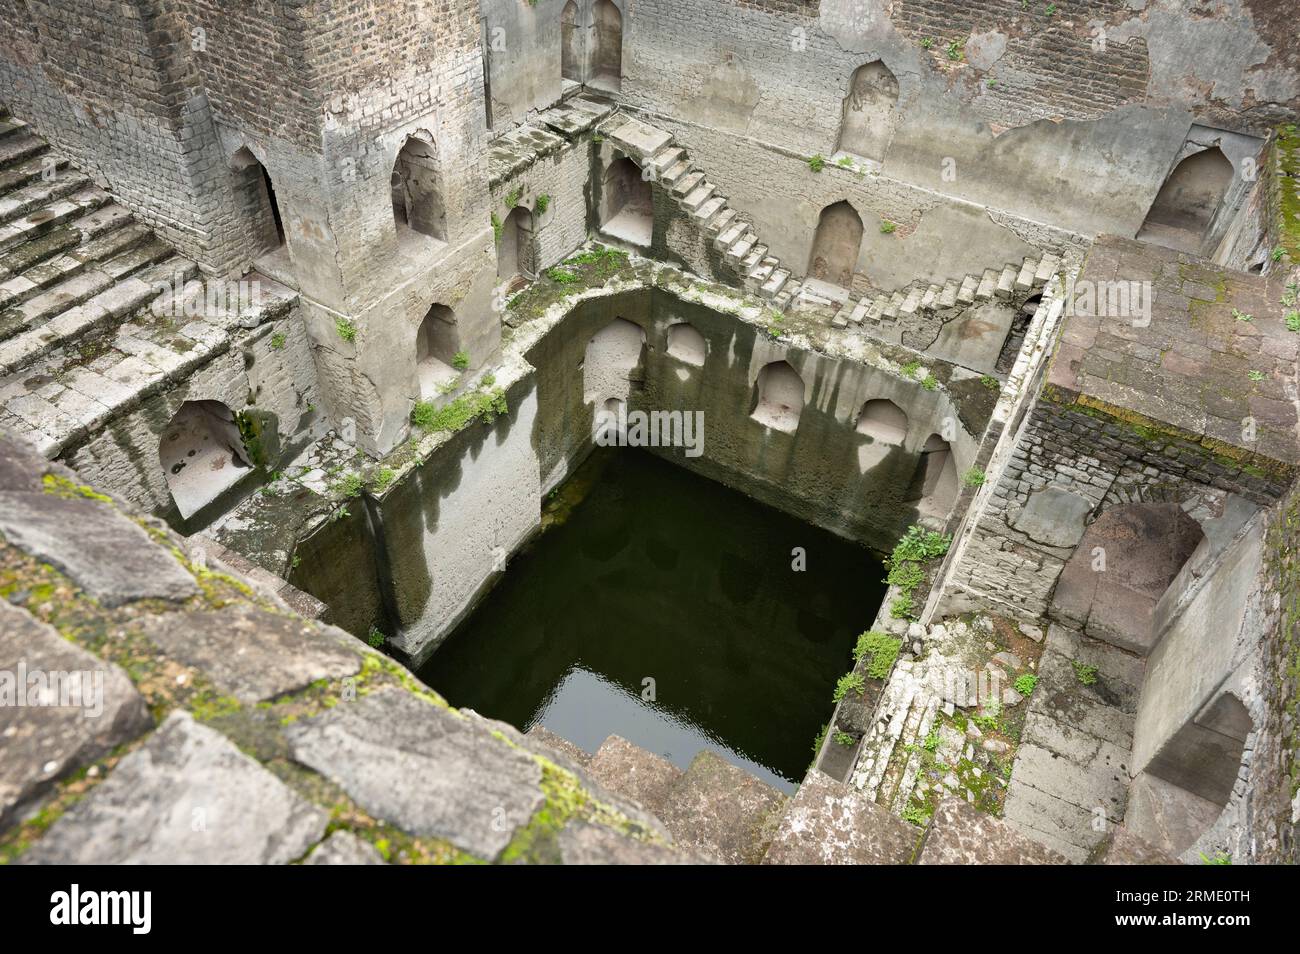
[[686, 183], [121, 298], [698, 196], [931, 296], [9, 126], [29, 198], [773, 285], [987, 286], [78, 288], [755, 259], [639, 140], [911, 302], [19, 146], [1007, 281], [1046, 268], [829, 823], [1025, 279], [893, 305], [557, 743], [859, 312], [966, 294], [742, 246], [761, 272], [67, 262], [948, 297], [786, 295], [730, 235], [634, 773], [960, 834], [676, 172], [666, 159], [51, 217], [706, 213], [722, 811], [29, 170], [725, 218]]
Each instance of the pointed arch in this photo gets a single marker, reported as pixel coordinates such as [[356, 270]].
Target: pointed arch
[[1184, 209], [416, 185], [836, 244], [867, 118]]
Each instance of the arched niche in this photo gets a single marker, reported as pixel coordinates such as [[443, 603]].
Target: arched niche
[[868, 113], [626, 203], [883, 421], [416, 184], [607, 49], [202, 454], [687, 345], [1184, 209], [437, 343], [836, 244], [779, 399], [612, 355], [256, 201]]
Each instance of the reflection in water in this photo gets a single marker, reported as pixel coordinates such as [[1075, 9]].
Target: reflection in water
[[662, 607]]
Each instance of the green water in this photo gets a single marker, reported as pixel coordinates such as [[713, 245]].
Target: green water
[[663, 607]]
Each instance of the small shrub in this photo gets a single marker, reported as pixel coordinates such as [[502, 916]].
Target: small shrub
[[1242, 316], [376, 639], [542, 204], [910, 369], [905, 575], [483, 404], [277, 340], [1087, 675], [383, 478], [931, 743], [1292, 319], [887, 226], [990, 382], [916, 815], [973, 478], [921, 544], [849, 682], [900, 607], [496, 228], [346, 329], [844, 739], [460, 360], [883, 650], [817, 163], [927, 42], [1025, 684], [817, 742], [1255, 375], [347, 486], [513, 198], [955, 51], [1218, 858], [1277, 254], [930, 383]]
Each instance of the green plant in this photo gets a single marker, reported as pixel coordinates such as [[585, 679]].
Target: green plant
[[887, 226], [460, 360], [844, 162], [1292, 319], [973, 478], [512, 199], [927, 42], [955, 51], [906, 575], [775, 324], [497, 226], [916, 815], [817, 163], [384, 477], [1025, 684], [347, 486], [849, 682], [1242, 316], [845, 739], [1255, 375], [1277, 253], [881, 648], [1050, 10], [376, 639], [1087, 675], [930, 382], [277, 340], [817, 742], [931, 743], [597, 138], [1218, 858], [561, 275], [346, 329], [483, 404], [900, 607], [542, 204], [920, 544], [910, 369], [990, 382]]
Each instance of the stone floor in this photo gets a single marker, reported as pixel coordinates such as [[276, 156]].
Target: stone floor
[[1070, 782]]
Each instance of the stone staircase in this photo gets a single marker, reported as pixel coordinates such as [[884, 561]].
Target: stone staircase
[[81, 339], [732, 235], [884, 311], [719, 812]]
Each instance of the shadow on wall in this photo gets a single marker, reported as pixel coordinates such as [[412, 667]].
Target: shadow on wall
[[437, 342], [255, 199], [417, 189], [626, 204], [1187, 203], [613, 354]]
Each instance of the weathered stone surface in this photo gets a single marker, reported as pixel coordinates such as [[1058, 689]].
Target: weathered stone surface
[[585, 844], [960, 834], [188, 796], [344, 848], [423, 768], [722, 811], [830, 823], [104, 553], [255, 655], [1123, 847], [630, 770], [1054, 517], [41, 741], [558, 744]]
